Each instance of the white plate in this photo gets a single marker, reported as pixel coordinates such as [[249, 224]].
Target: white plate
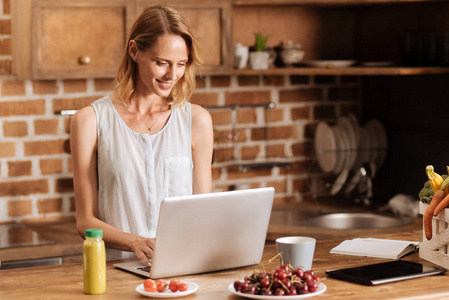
[[381, 133], [365, 146], [340, 181], [355, 125], [192, 288], [321, 289], [329, 64], [374, 142], [347, 127], [340, 150], [325, 147]]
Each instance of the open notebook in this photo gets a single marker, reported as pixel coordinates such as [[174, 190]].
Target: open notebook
[[382, 248]]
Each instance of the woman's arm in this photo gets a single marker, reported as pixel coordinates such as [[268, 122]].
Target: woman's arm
[[202, 149], [83, 143]]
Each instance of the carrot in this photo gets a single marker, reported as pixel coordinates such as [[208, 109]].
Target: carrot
[[442, 205], [428, 214]]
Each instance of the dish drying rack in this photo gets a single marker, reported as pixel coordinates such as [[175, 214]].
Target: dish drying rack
[[353, 183], [349, 161]]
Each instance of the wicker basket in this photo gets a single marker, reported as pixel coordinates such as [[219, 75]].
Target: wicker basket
[[436, 249]]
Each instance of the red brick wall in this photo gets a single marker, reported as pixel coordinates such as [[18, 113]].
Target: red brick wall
[[281, 134], [35, 161]]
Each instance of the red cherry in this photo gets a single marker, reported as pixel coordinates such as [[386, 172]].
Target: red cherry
[[311, 272], [308, 278], [287, 283], [293, 292], [282, 275], [299, 272], [265, 282], [313, 287], [243, 286], [275, 284], [266, 292], [302, 288], [250, 289], [237, 285], [279, 292], [263, 276], [295, 279]]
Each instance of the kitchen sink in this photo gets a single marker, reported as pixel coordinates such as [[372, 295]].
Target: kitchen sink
[[357, 221], [340, 220]]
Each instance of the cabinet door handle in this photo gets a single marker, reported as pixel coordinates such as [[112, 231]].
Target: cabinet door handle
[[84, 60]]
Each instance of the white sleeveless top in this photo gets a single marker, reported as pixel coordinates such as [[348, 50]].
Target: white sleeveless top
[[136, 171]]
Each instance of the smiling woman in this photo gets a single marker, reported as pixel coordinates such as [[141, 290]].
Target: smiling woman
[[161, 66], [145, 141]]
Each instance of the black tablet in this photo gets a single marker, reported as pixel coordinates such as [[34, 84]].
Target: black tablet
[[385, 272]]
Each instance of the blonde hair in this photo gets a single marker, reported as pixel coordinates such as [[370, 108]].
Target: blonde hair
[[154, 22]]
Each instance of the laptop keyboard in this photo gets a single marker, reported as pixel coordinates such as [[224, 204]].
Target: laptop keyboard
[[145, 269]]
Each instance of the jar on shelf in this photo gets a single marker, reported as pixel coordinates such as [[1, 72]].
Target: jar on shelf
[[291, 53]]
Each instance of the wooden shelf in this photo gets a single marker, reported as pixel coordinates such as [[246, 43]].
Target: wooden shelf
[[322, 2], [345, 71], [246, 166]]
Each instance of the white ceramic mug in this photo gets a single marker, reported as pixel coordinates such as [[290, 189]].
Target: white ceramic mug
[[297, 251], [240, 56]]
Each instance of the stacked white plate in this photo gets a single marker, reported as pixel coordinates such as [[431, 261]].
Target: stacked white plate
[[346, 146], [379, 135], [326, 147]]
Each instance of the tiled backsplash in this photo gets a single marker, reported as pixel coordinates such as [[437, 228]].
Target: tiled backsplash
[[35, 161]]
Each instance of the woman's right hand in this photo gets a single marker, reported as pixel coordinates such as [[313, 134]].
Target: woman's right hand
[[143, 248]]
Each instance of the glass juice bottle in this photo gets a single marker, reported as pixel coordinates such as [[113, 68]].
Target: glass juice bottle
[[94, 262]]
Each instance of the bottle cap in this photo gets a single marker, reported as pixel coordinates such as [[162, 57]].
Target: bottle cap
[[94, 232]]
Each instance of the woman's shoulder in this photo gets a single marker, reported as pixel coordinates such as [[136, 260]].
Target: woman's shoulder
[[89, 110], [87, 114], [198, 110], [84, 116], [83, 129], [200, 115]]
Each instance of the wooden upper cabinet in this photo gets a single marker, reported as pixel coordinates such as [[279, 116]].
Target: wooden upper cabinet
[[210, 22], [55, 39], [321, 2]]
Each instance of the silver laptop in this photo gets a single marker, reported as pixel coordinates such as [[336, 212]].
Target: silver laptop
[[208, 232]]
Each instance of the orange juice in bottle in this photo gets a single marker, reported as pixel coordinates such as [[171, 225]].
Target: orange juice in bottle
[[94, 262]]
